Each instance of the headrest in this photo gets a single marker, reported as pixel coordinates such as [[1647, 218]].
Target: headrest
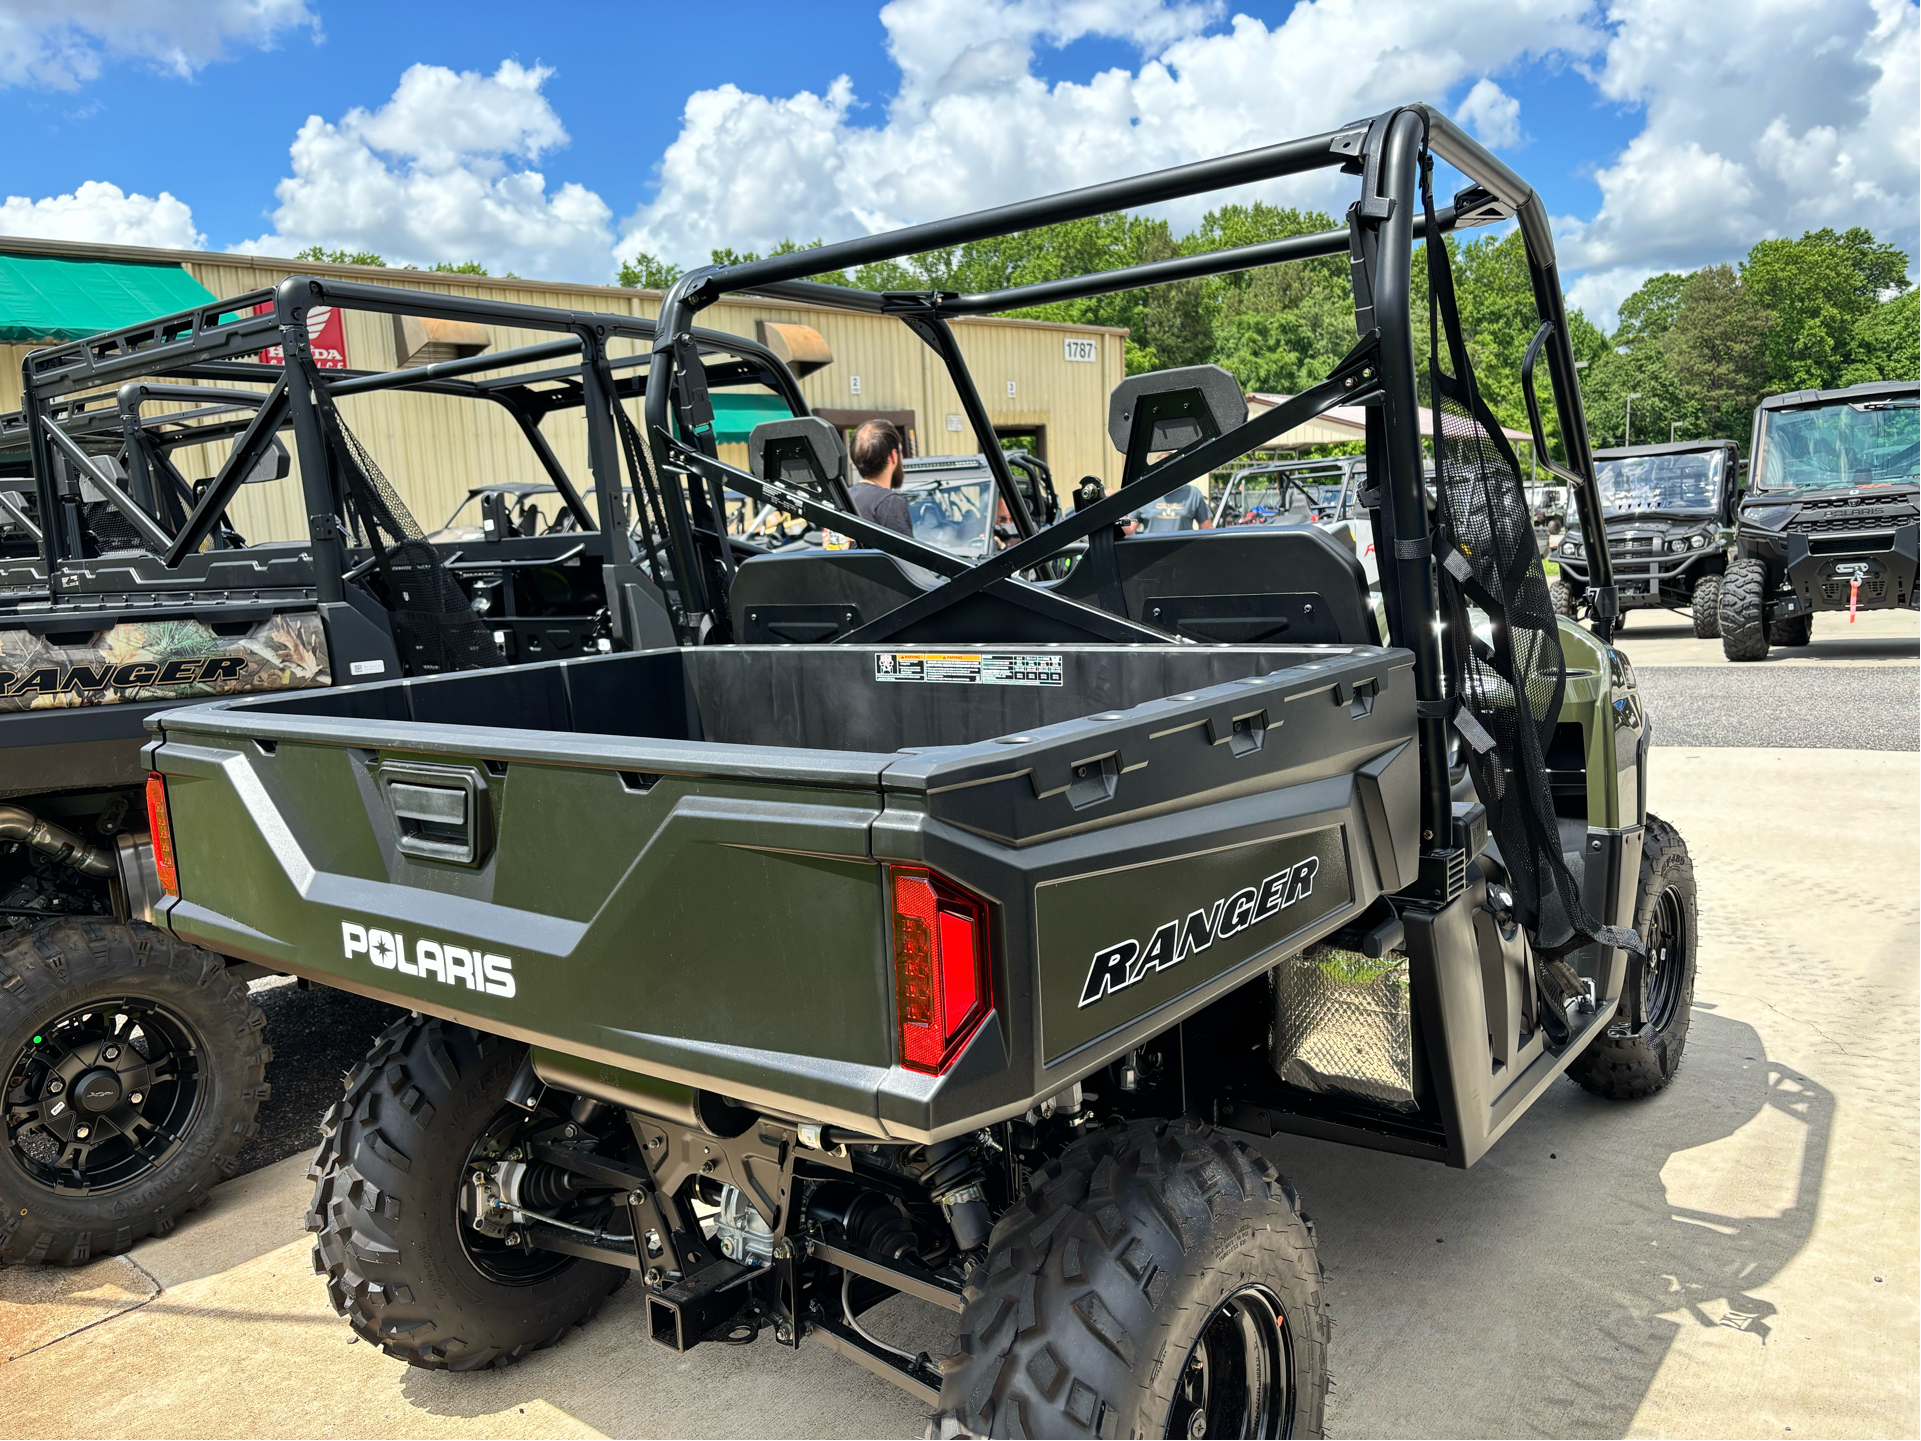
[[1196, 402], [803, 451]]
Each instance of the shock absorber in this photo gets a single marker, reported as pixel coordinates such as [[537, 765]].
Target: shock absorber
[[952, 1175]]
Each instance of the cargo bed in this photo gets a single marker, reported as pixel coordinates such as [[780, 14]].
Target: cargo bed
[[673, 863]]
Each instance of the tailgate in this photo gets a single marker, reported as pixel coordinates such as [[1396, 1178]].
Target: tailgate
[[682, 909]]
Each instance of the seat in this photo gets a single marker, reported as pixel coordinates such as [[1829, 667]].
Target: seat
[[1253, 585]]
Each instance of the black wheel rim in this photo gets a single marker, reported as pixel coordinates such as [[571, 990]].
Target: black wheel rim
[[1239, 1377], [503, 1259], [1664, 971], [100, 1097]]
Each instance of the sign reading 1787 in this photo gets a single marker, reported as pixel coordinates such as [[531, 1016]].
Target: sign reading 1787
[[1080, 347]]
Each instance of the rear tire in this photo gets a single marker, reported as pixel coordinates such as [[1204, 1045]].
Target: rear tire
[[1707, 607], [1640, 1052], [153, 1048], [1150, 1274], [1744, 631], [1561, 598], [1796, 630], [387, 1181]]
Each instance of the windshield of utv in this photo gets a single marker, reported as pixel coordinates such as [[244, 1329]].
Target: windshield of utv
[[1876, 442], [1662, 482]]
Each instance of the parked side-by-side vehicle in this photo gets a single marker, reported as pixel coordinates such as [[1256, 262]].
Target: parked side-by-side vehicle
[[947, 925], [1828, 524], [1669, 513]]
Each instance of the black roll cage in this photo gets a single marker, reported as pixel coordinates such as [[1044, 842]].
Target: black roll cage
[[153, 360], [1388, 153]]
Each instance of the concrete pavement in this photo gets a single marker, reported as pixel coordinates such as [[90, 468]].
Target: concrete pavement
[[1736, 1256]]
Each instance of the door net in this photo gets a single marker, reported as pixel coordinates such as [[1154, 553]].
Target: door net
[[1509, 677], [433, 617]]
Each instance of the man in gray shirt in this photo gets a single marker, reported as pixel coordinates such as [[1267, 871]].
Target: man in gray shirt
[[1185, 509], [876, 453]]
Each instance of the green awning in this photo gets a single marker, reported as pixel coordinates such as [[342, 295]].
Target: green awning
[[48, 298], [735, 416]]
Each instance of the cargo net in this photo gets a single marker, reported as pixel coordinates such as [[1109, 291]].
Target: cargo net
[[110, 531], [433, 617], [1507, 680]]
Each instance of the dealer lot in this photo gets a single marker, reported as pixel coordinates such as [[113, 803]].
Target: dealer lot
[[1735, 1256]]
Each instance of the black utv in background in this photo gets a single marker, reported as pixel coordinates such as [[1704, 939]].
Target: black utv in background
[[1669, 511], [1829, 519]]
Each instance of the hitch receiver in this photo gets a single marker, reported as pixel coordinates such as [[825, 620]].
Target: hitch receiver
[[681, 1314]]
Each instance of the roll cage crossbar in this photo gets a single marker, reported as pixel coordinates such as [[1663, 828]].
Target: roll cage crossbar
[[1381, 373], [213, 344]]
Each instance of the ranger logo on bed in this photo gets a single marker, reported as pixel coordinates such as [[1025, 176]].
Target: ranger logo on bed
[[1117, 967]]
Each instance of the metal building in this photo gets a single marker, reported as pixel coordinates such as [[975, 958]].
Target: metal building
[[1045, 385]]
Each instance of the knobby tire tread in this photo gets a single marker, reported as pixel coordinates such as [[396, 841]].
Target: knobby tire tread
[[1081, 1318], [1631, 1067], [46, 971], [388, 1131]]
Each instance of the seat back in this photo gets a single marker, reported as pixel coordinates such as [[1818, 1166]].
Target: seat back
[[804, 452], [1171, 410], [1249, 586]]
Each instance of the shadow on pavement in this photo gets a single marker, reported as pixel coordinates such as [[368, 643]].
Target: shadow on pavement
[[1539, 1292]]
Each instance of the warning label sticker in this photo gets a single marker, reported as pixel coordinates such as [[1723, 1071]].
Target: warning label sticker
[[962, 669]]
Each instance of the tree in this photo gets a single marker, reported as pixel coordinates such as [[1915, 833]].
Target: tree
[[1887, 341], [340, 257], [458, 267], [1819, 289], [646, 272], [1649, 313], [1634, 362], [1718, 348]]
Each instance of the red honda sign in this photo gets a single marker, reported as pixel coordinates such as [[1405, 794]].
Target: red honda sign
[[326, 335]]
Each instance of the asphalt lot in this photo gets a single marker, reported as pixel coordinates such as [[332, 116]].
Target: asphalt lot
[[1736, 1256]]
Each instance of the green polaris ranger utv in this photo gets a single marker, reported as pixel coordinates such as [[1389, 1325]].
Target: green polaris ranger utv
[[135, 1064], [1828, 523], [963, 950]]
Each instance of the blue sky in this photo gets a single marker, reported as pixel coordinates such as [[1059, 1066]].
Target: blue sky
[[1661, 134]]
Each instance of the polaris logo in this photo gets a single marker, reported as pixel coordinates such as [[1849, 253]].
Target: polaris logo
[[446, 962], [1117, 967]]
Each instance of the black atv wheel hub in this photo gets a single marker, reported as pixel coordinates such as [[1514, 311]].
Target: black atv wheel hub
[[1239, 1378], [100, 1097], [1664, 970]]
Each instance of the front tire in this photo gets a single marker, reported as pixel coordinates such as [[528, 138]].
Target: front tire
[[399, 1262], [135, 1066], [1743, 616], [1158, 1279], [1707, 608], [1640, 1052], [1561, 597]]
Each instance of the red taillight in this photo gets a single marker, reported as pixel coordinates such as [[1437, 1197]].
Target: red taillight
[[940, 967], [160, 825]]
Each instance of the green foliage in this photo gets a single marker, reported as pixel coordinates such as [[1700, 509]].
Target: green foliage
[[1888, 338], [1717, 348], [458, 267], [341, 257], [1819, 290], [646, 272]]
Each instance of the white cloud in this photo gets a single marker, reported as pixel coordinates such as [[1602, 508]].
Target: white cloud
[[1761, 120], [62, 45], [1491, 114], [104, 213], [973, 125], [431, 175]]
